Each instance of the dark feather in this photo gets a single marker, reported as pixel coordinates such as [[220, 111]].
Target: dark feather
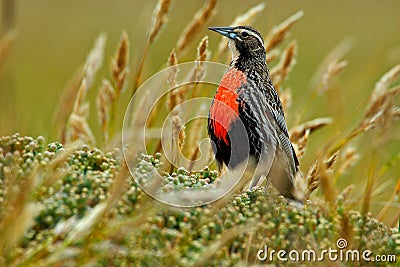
[[261, 113]]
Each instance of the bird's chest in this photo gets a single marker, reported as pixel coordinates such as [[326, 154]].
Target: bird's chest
[[225, 107]]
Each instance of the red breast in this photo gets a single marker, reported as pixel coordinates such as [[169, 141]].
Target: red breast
[[224, 109]]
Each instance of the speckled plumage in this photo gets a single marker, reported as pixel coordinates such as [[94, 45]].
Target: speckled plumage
[[256, 125]]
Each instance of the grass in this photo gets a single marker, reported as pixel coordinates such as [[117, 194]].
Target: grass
[[70, 203], [72, 212]]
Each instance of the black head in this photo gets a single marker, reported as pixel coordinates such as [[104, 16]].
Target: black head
[[244, 41]]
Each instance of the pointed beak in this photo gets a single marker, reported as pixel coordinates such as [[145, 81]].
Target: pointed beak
[[225, 31]]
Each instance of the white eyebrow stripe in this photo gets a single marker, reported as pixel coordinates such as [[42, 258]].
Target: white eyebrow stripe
[[255, 35], [258, 37]]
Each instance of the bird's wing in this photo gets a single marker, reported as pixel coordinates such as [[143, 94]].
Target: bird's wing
[[275, 105], [260, 125]]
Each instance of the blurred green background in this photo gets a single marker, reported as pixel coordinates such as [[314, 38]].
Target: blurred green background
[[54, 37]]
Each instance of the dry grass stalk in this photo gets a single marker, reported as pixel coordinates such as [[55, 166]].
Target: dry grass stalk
[[78, 127], [202, 52], [335, 55], [5, 45], [159, 19], [392, 162], [387, 79], [368, 192], [286, 98], [173, 72], [178, 139], [300, 144], [379, 112], [330, 162], [66, 104], [345, 195], [395, 220], [178, 131], [178, 95], [312, 178], [86, 225], [325, 182], [319, 171], [249, 16], [174, 99], [18, 211], [288, 59], [21, 210], [280, 32], [246, 18], [300, 186], [174, 95], [202, 55], [396, 192], [346, 228], [193, 28], [105, 100], [382, 188], [396, 113], [137, 121], [198, 72], [349, 158], [93, 62], [195, 137], [117, 229], [119, 64], [119, 72], [118, 186], [297, 132], [80, 106], [333, 70], [224, 240]]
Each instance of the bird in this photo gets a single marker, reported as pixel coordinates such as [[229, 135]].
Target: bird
[[246, 118]]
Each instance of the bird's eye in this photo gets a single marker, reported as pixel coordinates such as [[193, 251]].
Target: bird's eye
[[245, 34]]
